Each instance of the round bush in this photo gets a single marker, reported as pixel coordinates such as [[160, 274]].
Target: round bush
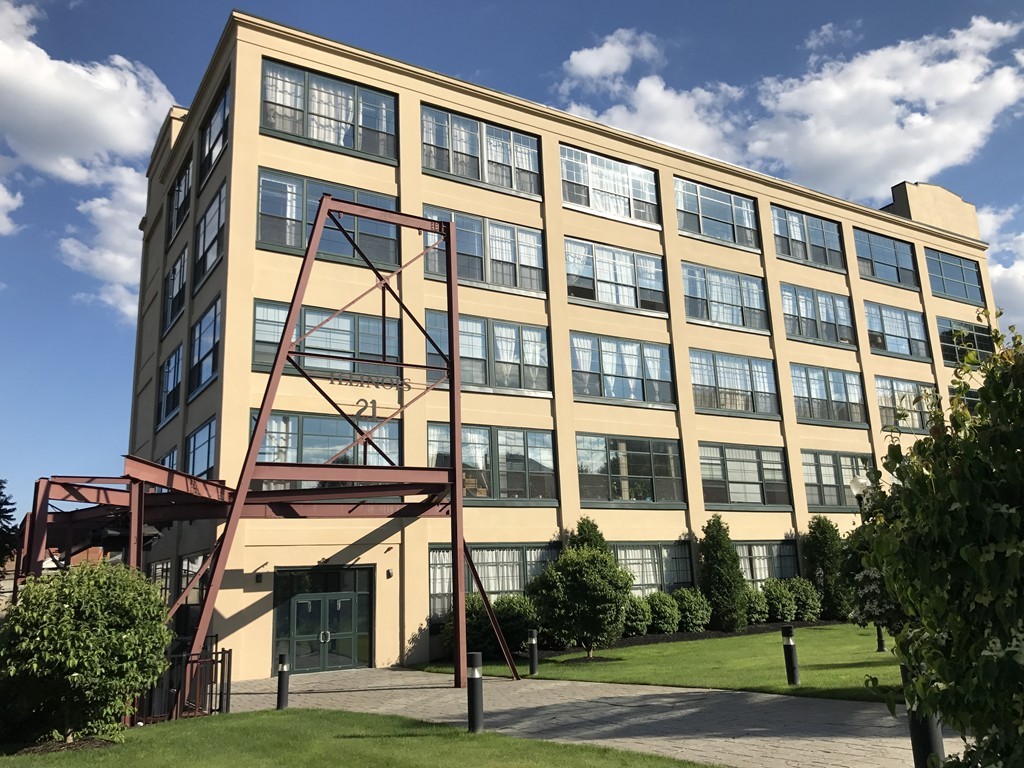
[[664, 613], [806, 598], [781, 605], [694, 609], [638, 616], [757, 605], [515, 614]]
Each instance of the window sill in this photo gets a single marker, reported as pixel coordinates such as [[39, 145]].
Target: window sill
[[489, 286], [739, 414], [824, 342], [893, 430], [834, 423], [716, 241], [628, 403], [612, 217], [836, 509], [729, 327], [661, 315], [167, 419], [729, 507], [469, 501], [352, 261], [808, 263], [202, 388], [900, 356], [479, 389], [264, 131], [960, 299], [623, 504], [480, 184], [893, 283]]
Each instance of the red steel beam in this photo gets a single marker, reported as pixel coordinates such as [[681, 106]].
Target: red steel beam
[[88, 494], [40, 504], [491, 617], [348, 511], [349, 473], [307, 495], [81, 480], [157, 474], [135, 525]]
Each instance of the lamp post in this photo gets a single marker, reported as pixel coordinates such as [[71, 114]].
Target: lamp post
[[859, 485]]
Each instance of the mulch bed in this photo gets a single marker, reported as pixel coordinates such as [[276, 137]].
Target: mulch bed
[[48, 747]]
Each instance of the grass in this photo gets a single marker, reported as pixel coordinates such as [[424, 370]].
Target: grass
[[316, 738], [834, 662]]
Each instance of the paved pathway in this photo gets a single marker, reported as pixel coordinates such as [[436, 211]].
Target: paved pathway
[[733, 728]]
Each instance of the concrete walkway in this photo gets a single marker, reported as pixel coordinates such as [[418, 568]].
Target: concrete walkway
[[745, 730]]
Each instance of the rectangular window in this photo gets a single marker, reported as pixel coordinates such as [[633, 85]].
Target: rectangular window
[[885, 258], [608, 186], [492, 353], [174, 289], [728, 298], [817, 316], [209, 245], [739, 474], [348, 335], [178, 200], [896, 330], [714, 213], [203, 364], [826, 395], [310, 438], [169, 460], [724, 382], [170, 386], [160, 573], [488, 251], [954, 278], [498, 463], [213, 136], [287, 212], [761, 560], [659, 567], [807, 238], [327, 110], [902, 403], [621, 369], [629, 469], [202, 446], [957, 338], [472, 149], [614, 276], [827, 478]]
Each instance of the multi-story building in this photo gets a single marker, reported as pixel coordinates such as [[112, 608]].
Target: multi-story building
[[648, 336]]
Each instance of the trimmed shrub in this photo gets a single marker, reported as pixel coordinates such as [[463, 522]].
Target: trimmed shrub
[[757, 605], [721, 580], [694, 609], [638, 616], [587, 534], [781, 605], [515, 613], [824, 554], [664, 613], [806, 598], [516, 616]]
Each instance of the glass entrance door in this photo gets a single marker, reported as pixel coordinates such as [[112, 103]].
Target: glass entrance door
[[324, 632]]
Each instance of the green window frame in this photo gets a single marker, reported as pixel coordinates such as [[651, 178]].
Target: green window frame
[[817, 316], [721, 297], [716, 214], [896, 331], [761, 560], [954, 277], [179, 200], [621, 369], [210, 237], [733, 383], [204, 351], [656, 566], [886, 259], [317, 438], [824, 394], [201, 456], [615, 277], [629, 470], [175, 283], [327, 111], [746, 476], [502, 465], [809, 239], [608, 187], [170, 387], [897, 406], [213, 136], [957, 338], [827, 477]]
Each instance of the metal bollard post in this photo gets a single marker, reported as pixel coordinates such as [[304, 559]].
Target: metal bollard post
[[789, 651], [880, 638], [925, 733], [475, 691], [534, 661], [282, 681]]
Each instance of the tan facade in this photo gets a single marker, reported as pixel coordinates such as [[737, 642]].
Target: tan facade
[[217, 380]]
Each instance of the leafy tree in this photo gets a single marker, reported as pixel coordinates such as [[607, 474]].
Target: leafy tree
[[757, 605], [721, 580], [587, 534], [824, 552], [664, 613], [582, 596], [781, 605], [871, 601], [80, 645], [805, 597], [8, 528], [948, 539], [694, 609], [638, 617]]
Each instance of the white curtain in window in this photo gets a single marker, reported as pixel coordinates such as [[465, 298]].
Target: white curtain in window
[[733, 372], [760, 557], [283, 85], [642, 562], [826, 309], [440, 567], [526, 154], [796, 226], [805, 303], [499, 145], [500, 569], [694, 282], [724, 296], [465, 136], [762, 375], [579, 258], [537, 559], [753, 293], [622, 359], [816, 382], [476, 447], [649, 273], [506, 343], [702, 368], [501, 242], [434, 125], [656, 362], [535, 347], [583, 349], [472, 338], [799, 377], [331, 110], [531, 252]]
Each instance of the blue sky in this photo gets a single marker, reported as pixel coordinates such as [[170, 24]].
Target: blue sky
[[849, 99]]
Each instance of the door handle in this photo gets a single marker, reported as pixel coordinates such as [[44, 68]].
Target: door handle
[[320, 637], [328, 633]]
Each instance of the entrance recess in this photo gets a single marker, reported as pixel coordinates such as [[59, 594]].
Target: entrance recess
[[324, 632]]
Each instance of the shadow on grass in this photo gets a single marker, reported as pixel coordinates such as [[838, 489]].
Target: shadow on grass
[[873, 663]]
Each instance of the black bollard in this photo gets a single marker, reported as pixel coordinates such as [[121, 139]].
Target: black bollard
[[925, 733], [475, 691], [880, 637], [282, 681], [789, 651], [532, 642]]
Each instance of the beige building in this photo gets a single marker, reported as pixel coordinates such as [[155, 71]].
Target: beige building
[[648, 337]]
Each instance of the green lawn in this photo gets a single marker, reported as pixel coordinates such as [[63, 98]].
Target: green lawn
[[834, 661], [314, 739]]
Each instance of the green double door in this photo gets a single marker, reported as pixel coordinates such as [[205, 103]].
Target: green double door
[[324, 632]]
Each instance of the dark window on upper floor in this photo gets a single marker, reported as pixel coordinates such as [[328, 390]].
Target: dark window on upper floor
[[715, 213], [827, 478], [174, 290], [205, 348], [817, 315], [724, 297], [741, 474], [629, 469], [202, 450], [170, 386], [807, 238], [954, 277], [608, 186], [958, 338], [614, 276], [885, 258], [902, 404], [823, 394], [213, 136], [328, 111], [210, 236], [179, 199]]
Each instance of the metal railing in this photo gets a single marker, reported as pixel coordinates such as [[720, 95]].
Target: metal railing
[[195, 684]]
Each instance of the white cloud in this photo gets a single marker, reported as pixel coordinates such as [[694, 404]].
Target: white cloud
[[850, 127], [89, 124], [1003, 228], [9, 202], [830, 33]]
